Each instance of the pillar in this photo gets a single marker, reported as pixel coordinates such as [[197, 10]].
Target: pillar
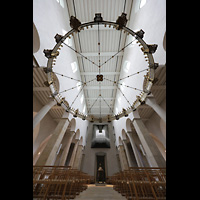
[[159, 110], [127, 153], [67, 146], [153, 155], [78, 157], [132, 141], [123, 159], [48, 155], [74, 153], [44, 110]]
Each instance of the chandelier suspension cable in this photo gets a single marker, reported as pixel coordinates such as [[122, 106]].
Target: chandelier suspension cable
[[133, 74], [78, 85], [99, 48], [124, 85], [123, 95], [122, 49], [93, 104], [68, 77], [107, 104], [100, 97], [81, 54], [77, 95]]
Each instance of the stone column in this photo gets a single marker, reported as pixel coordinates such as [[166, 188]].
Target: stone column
[[153, 154], [132, 141], [47, 157], [150, 100], [74, 153], [78, 157], [44, 110], [123, 159], [127, 153], [66, 149]]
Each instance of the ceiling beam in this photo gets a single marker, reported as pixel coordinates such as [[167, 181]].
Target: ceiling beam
[[92, 98], [159, 87], [40, 89], [95, 73], [87, 54], [102, 87]]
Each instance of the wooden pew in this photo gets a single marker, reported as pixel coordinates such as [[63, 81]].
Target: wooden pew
[[141, 183], [58, 182]]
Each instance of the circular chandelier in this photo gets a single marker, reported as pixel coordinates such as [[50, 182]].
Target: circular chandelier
[[120, 24]]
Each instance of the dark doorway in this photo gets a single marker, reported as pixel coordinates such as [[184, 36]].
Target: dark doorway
[[100, 173]]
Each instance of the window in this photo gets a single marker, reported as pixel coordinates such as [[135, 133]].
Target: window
[[127, 66], [74, 67], [81, 99], [78, 85], [100, 135], [142, 3], [67, 41], [61, 2]]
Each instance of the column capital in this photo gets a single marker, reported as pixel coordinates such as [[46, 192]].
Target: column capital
[[71, 133], [135, 115]]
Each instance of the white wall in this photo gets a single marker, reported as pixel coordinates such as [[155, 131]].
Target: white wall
[[151, 18], [50, 18]]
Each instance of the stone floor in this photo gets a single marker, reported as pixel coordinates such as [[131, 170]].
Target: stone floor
[[100, 193]]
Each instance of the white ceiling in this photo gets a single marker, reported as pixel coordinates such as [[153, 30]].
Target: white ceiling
[[86, 42], [111, 41]]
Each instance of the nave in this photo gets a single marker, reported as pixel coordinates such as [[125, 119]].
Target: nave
[[63, 182], [100, 193]]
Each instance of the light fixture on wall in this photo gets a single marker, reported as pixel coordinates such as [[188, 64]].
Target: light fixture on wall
[[119, 25]]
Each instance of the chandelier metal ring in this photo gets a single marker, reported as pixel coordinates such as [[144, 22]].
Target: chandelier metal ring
[[147, 50]]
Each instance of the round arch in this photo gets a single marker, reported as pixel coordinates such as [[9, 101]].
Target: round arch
[[159, 144], [81, 141], [40, 149], [120, 141], [124, 134], [73, 124], [36, 39], [77, 134], [128, 125], [164, 41]]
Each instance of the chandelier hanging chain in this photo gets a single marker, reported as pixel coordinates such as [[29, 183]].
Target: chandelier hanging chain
[[99, 48], [115, 82], [123, 95], [78, 85], [116, 53], [69, 77], [77, 95], [81, 55], [93, 104], [133, 74], [107, 104]]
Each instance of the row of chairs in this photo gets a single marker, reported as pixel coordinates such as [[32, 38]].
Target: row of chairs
[[141, 183], [58, 182]]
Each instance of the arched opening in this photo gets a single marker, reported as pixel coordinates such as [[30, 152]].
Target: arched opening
[[159, 145], [40, 149], [36, 39], [128, 125], [72, 124], [100, 167], [164, 41]]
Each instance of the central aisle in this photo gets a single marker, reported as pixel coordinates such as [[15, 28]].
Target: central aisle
[[100, 193]]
